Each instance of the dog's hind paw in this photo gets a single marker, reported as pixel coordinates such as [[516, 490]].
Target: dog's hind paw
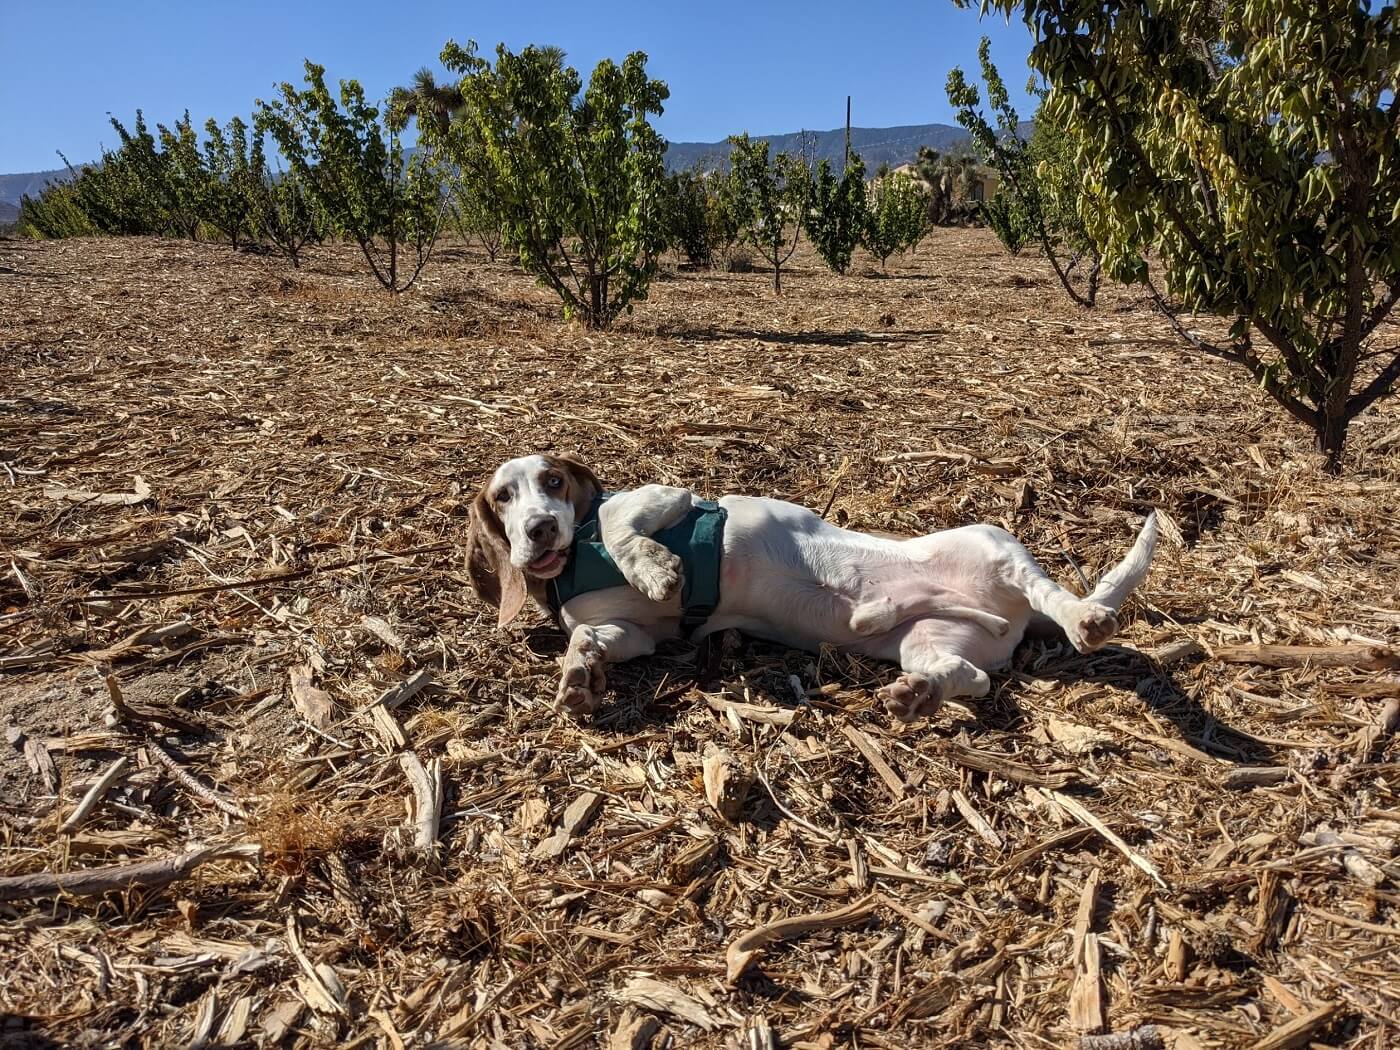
[[1091, 627], [916, 694], [910, 696]]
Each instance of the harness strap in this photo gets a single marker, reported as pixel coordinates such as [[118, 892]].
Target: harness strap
[[697, 539]]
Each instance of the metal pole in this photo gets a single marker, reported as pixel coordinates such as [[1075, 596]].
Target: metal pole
[[847, 159]]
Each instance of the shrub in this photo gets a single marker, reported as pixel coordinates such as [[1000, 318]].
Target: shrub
[[178, 178], [348, 161], [54, 213], [574, 175], [896, 217], [124, 193], [1006, 216], [283, 213], [234, 177], [473, 218], [686, 214], [835, 216]]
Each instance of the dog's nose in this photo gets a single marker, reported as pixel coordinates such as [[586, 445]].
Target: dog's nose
[[543, 530]]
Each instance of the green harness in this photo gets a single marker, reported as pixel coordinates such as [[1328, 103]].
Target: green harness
[[697, 539]]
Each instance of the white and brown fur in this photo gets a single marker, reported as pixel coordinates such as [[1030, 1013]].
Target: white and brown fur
[[947, 607]]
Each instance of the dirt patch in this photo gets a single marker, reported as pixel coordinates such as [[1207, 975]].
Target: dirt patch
[[218, 471]]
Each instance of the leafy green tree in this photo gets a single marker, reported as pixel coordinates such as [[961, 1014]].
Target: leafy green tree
[[472, 217], [724, 212], [573, 174], [282, 211], [835, 216], [54, 213], [1006, 216], [127, 192], [896, 217], [1039, 195], [771, 198], [688, 215], [1250, 146], [234, 179], [348, 159], [178, 174]]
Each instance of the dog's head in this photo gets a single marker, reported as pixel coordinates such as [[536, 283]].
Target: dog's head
[[523, 526]]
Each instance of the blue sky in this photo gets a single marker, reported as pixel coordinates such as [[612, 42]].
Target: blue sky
[[765, 66]]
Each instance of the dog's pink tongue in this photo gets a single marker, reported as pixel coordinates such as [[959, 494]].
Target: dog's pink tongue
[[545, 561]]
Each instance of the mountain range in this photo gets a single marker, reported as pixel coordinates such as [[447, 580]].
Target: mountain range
[[876, 146]]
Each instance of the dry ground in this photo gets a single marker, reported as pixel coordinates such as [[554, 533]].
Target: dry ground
[[267, 473]]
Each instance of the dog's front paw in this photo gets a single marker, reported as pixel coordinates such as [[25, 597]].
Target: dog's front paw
[[1091, 626], [582, 678], [653, 570]]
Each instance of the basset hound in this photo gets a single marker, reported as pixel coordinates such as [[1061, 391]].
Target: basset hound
[[623, 571]]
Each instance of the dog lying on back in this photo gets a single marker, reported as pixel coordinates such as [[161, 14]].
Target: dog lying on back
[[624, 571]]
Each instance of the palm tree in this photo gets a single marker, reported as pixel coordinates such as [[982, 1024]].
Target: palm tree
[[427, 100]]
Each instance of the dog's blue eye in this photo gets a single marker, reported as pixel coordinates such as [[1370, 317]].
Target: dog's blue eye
[[554, 482]]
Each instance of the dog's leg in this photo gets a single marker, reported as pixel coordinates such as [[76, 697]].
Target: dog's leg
[[932, 674], [1088, 624], [930, 677], [627, 522], [591, 646], [879, 615]]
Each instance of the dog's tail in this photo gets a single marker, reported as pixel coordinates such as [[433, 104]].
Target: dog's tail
[[1121, 580]]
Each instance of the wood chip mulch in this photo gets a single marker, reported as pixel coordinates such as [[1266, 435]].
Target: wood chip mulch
[[271, 776]]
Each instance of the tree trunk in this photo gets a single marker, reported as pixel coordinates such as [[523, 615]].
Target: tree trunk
[[1331, 436]]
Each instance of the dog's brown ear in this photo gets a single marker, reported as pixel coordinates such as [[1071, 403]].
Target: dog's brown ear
[[584, 485], [495, 580]]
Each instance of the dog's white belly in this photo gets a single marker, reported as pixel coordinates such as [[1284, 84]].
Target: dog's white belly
[[791, 578]]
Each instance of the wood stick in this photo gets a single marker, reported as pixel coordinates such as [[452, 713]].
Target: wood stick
[[220, 803], [1367, 657], [120, 877], [1299, 1031], [94, 795], [990, 762], [427, 798], [1148, 1037], [893, 782], [977, 822], [743, 948], [1079, 813]]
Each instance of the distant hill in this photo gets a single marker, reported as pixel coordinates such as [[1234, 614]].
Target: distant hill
[[31, 183], [8, 212], [892, 146]]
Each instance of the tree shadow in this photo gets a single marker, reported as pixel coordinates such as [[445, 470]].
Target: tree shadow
[[1156, 686], [808, 337], [18, 1032]]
